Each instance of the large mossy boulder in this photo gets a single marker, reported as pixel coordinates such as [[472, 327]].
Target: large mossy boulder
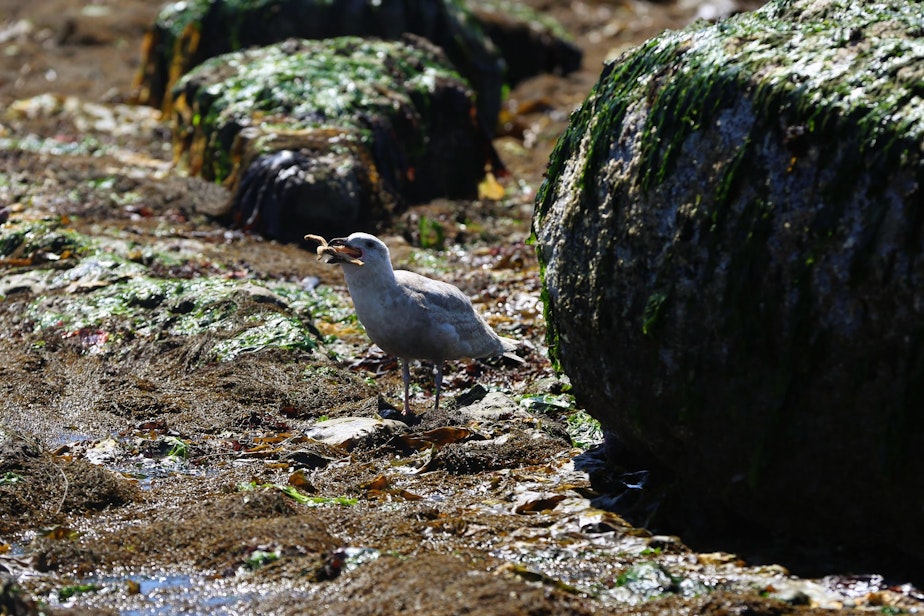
[[187, 33], [327, 136], [732, 240], [490, 42]]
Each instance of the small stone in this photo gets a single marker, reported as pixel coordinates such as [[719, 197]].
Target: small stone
[[346, 432], [494, 406]]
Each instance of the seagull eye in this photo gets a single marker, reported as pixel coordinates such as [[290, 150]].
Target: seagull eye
[[369, 244]]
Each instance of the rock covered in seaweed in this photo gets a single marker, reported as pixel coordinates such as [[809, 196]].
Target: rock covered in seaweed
[[328, 135], [490, 42], [731, 236], [187, 33]]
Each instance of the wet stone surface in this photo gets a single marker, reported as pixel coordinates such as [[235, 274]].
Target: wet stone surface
[[162, 379]]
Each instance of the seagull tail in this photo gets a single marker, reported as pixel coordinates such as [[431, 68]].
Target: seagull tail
[[510, 346]]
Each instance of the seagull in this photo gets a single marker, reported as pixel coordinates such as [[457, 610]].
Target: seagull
[[408, 315]]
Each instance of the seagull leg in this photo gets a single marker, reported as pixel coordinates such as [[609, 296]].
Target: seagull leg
[[406, 375], [439, 383]]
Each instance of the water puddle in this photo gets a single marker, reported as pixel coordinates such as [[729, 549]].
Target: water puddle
[[156, 594], [166, 593]]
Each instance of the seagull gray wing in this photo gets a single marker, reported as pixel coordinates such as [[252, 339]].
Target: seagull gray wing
[[446, 317]]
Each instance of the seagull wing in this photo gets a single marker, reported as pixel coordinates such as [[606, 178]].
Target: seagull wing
[[444, 320]]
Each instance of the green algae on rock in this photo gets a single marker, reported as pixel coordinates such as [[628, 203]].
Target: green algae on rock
[[731, 243], [38, 242], [240, 316], [97, 297], [490, 42], [188, 33], [353, 122]]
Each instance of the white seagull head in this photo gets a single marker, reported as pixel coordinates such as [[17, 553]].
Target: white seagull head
[[360, 249]]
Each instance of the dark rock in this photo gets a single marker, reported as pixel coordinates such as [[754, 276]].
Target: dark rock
[[471, 396], [530, 43], [284, 193], [731, 239]]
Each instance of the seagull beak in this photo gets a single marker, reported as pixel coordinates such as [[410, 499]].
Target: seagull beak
[[343, 252]]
